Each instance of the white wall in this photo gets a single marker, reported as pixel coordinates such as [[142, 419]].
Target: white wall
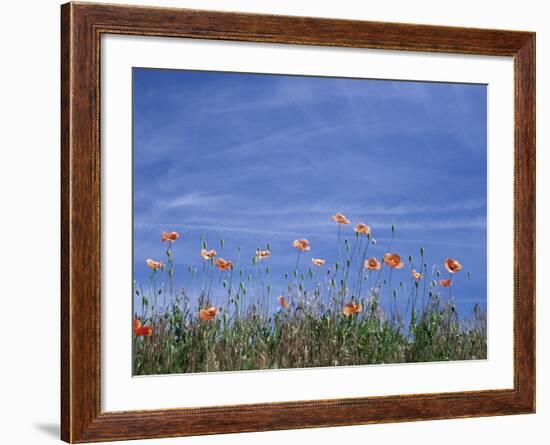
[[29, 239]]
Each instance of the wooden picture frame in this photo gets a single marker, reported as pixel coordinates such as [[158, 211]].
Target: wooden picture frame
[[82, 25]]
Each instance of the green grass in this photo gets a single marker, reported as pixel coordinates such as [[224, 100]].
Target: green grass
[[251, 329]]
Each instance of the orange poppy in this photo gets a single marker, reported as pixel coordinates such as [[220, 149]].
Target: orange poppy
[[352, 308], [170, 236], [340, 219], [362, 229], [416, 275], [154, 264], [283, 302], [301, 244], [393, 260], [208, 254], [224, 264], [261, 254], [452, 265], [445, 283], [208, 313], [372, 264], [318, 262], [142, 331]]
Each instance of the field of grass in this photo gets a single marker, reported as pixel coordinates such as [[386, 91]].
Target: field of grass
[[326, 315]]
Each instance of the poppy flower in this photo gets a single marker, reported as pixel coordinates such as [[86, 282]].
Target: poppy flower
[[452, 265], [445, 283], [340, 219], [362, 229], [170, 236], [416, 275], [393, 260], [142, 331], [208, 313], [282, 302], [372, 264], [208, 254], [317, 262], [352, 308], [154, 264], [261, 254], [301, 244], [224, 264]]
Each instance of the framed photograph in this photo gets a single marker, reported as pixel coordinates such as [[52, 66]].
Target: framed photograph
[[274, 222]]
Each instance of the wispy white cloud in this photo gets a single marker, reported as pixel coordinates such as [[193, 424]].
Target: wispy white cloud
[[219, 228], [235, 224], [193, 199], [329, 208]]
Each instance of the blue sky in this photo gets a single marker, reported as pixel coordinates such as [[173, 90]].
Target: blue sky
[[254, 158]]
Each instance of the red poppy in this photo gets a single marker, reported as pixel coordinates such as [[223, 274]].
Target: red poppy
[[452, 265], [352, 308], [142, 331], [208, 313], [169, 236], [393, 260]]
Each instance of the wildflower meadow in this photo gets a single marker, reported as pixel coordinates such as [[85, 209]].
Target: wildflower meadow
[[357, 310]]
